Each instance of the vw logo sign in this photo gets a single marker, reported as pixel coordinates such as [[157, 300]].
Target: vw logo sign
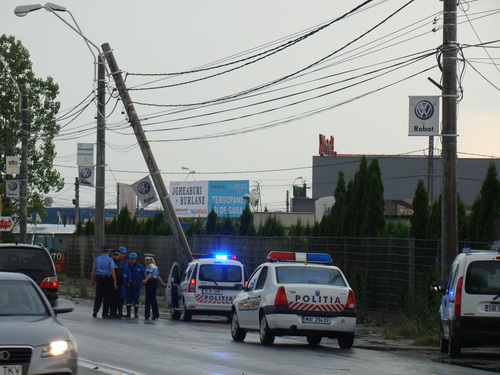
[[144, 187], [424, 110], [86, 173], [12, 185], [4, 355]]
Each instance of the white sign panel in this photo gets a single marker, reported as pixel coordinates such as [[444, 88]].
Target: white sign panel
[[85, 154], [189, 198], [13, 164], [86, 175], [145, 191], [424, 115], [13, 188]]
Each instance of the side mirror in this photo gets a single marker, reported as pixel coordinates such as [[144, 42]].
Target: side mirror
[[238, 286], [63, 306], [436, 287]]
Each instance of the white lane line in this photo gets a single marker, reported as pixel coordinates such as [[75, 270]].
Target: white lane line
[[105, 368]]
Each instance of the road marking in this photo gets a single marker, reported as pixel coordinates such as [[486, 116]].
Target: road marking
[[105, 368]]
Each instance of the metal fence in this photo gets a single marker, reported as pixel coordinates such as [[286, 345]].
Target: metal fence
[[381, 270]]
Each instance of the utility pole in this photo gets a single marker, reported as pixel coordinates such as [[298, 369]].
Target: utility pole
[[180, 238], [99, 236], [449, 216], [77, 200], [25, 132], [430, 170]]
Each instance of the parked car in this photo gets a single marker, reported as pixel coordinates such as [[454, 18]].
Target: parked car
[[208, 286], [296, 294], [32, 340], [34, 261], [470, 305]]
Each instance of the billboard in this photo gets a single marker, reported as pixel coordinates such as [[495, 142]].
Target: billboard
[[197, 198]]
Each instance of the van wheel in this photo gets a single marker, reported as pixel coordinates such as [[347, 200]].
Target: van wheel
[[314, 340], [236, 332], [174, 314], [266, 336], [454, 346], [444, 343], [186, 314], [346, 340]]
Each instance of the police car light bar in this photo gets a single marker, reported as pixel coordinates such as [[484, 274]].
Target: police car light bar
[[214, 256], [299, 257]]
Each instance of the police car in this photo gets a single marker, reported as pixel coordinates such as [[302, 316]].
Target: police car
[[208, 286], [297, 294], [470, 305]]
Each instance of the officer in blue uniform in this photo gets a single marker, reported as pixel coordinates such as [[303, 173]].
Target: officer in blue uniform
[[104, 278], [134, 274], [114, 304], [151, 281]]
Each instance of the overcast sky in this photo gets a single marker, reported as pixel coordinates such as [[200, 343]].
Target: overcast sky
[[265, 91]]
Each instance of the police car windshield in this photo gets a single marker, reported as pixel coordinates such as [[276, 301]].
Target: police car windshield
[[483, 277], [220, 273], [309, 275]]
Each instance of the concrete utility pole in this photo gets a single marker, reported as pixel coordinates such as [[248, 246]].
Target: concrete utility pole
[[25, 133], [77, 200], [449, 218], [182, 244], [99, 234]]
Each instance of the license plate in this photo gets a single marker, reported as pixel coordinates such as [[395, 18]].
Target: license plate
[[11, 370], [212, 291], [316, 319], [492, 308]]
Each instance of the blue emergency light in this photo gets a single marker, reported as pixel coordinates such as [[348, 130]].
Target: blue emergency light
[[217, 256], [299, 257]]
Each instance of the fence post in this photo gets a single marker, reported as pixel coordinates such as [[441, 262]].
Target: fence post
[[411, 264]]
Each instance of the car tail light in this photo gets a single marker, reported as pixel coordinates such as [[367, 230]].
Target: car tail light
[[50, 282], [192, 285], [458, 297], [281, 297], [351, 300]]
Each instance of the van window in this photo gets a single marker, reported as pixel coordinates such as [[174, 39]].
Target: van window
[[220, 273], [14, 260], [483, 277]]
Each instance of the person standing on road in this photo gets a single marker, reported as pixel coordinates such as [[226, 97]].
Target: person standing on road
[[114, 312], [104, 278], [151, 281], [122, 258], [134, 274]]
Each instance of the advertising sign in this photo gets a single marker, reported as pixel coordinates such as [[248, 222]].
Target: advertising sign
[[145, 191], [86, 175], [197, 198], [13, 188], [424, 115], [13, 164], [6, 223], [85, 154]]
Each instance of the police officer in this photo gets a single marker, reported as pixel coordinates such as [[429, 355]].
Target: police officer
[[123, 290], [115, 293], [134, 273], [151, 281], [104, 278]]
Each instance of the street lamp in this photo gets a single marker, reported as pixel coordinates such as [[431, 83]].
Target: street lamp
[[288, 193], [23, 10], [189, 173]]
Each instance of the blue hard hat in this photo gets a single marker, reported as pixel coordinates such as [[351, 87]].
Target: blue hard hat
[[133, 256], [122, 249]]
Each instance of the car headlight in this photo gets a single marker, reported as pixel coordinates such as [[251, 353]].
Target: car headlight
[[56, 348]]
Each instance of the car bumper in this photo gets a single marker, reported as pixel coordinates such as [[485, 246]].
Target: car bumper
[[292, 324], [477, 331]]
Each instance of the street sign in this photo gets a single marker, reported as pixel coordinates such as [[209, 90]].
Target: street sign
[[6, 223], [424, 115]]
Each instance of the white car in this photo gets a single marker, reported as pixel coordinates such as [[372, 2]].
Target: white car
[[208, 286], [297, 294], [32, 340], [470, 305]]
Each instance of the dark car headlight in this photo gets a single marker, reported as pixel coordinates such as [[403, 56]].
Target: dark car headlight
[[56, 348]]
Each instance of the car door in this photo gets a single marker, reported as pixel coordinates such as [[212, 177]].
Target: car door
[[172, 288], [255, 298], [243, 300]]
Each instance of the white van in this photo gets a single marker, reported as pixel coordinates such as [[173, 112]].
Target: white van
[[208, 286], [470, 306]]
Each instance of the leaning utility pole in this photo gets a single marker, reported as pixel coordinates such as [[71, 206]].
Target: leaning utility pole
[[449, 216], [23, 206], [180, 238], [99, 236]]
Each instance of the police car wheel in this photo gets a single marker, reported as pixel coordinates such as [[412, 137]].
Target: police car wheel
[[346, 340], [314, 340], [236, 332], [174, 314], [266, 336], [186, 315]]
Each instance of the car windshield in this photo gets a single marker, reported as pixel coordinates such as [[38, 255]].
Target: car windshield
[[29, 259], [220, 273], [19, 297], [483, 277], [309, 275]]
